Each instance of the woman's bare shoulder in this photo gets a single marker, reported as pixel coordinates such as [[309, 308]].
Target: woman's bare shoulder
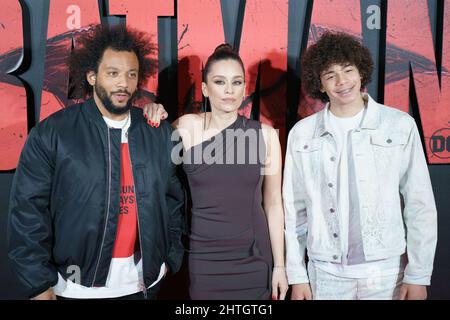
[[188, 121]]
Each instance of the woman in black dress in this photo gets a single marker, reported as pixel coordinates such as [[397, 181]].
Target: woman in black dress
[[233, 165]]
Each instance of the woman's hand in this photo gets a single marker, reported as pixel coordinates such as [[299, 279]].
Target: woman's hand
[[154, 113], [279, 283]]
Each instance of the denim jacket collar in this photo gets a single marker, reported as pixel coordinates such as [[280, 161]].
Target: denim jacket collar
[[370, 120]]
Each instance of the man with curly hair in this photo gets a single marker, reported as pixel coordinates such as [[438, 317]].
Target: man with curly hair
[[357, 191], [96, 206]]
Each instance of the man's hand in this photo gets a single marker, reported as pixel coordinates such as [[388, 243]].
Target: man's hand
[[413, 292], [154, 113], [46, 295], [301, 291]]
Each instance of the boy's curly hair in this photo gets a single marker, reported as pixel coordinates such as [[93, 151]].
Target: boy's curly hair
[[334, 48], [89, 51]]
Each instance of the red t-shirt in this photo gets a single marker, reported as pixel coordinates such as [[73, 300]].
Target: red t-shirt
[[127, 228]]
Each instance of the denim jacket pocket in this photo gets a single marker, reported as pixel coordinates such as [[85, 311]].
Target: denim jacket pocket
[[389, 140], [387, 153], [308, 157], [307, 146]]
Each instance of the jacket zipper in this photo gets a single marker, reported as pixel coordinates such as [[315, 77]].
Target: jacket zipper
[[107, 207]]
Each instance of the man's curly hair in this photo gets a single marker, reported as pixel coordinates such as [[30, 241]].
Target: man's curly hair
[[334, 48], [89, 51]]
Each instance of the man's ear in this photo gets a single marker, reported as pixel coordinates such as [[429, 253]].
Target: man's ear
[[91, 77]]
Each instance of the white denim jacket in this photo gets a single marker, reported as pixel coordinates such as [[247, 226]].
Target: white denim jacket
[[389, 163]]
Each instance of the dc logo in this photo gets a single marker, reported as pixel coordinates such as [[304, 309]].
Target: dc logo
[[440, 143]]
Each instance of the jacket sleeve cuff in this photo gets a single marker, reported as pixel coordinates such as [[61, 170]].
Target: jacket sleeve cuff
[[417, 280], [175, 258], [297, 276], [33, 292]]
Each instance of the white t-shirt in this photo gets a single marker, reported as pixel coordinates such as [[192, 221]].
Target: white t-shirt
[[124, 275], [353, 263]]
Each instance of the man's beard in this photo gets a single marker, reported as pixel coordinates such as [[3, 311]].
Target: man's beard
[[107, 102]]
